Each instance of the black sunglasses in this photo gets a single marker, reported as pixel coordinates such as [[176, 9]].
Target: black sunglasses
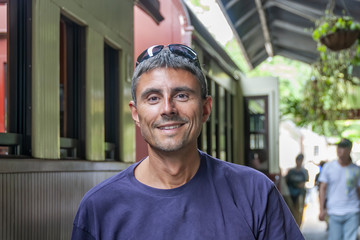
[[177, 49]]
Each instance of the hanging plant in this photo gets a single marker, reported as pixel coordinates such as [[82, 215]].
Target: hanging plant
[[325, 94], [321, 104], [336, 33]]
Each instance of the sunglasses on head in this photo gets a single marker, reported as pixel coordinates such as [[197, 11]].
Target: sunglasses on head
[[178, 49]]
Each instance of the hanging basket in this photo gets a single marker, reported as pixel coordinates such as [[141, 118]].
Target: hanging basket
[[340, 40]]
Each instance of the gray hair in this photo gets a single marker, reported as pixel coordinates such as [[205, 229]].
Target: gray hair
[[166, 59]]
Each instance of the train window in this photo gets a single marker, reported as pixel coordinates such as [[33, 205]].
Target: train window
[[229, 127], [111, 70], [256, 131], [71, 87], [222, 124], [214, 120], [204, 140], [15, 77]]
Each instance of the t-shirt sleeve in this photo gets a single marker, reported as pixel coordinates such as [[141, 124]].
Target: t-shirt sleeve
[[83, 222], [80, 234], [358, 177], [280, 224], [323, 174]]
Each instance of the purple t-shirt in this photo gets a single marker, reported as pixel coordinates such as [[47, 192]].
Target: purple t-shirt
[[223, 201]]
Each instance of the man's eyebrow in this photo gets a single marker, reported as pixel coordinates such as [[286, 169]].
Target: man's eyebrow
[[183, 89], [147, 91]]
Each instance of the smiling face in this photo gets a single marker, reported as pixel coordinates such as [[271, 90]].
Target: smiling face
[[169, 110]]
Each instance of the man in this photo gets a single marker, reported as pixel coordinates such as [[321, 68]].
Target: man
[[340, 185], [296, 179], [179, 192]]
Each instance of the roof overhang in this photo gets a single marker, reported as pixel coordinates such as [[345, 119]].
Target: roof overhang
[[265, 28], [151, 7], [208, 42]]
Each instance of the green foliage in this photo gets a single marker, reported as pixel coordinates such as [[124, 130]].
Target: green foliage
[[351, 129], [232, 48], [331, 24], [197, 3], [312, 95], [325, 94]]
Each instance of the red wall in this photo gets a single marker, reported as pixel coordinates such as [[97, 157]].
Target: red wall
[[173, 29], [3, 60]]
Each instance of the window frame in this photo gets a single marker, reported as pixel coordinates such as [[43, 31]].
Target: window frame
[[263, 152], [17, 138], [72, 69], [111, 102]]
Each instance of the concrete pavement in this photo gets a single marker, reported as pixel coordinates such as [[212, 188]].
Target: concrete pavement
[[312, 228]]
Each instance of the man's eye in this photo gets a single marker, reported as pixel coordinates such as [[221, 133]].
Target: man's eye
[[182, 96], [153, 99]]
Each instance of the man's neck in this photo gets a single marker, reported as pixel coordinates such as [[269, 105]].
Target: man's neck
[[344, 161], [167, 170]]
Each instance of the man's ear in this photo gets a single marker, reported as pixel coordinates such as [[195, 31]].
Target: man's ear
[[207, 105], [134, 112]]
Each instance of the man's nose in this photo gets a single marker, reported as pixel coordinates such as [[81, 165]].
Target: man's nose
[[169, 107]]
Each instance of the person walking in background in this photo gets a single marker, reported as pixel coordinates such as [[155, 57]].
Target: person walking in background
[[255, 161], [317, 185], [296, 179], [340, 186]]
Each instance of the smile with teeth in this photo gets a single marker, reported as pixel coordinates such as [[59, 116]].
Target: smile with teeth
[[170, 127]]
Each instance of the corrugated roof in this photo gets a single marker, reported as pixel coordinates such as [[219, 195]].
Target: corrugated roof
[[277, 27], [218, 51]]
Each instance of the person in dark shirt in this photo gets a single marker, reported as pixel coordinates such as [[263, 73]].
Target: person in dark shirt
[[177, 191], [296, 179]]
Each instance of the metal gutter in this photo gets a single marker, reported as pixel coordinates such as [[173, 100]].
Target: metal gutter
[[238, 39], [213, 48]]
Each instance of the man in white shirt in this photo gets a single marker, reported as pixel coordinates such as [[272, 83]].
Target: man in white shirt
[[339, 194]]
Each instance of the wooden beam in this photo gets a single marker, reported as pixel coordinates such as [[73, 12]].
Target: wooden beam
[[266, 33]]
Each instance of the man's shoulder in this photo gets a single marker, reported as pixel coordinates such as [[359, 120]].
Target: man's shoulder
[[291, 171], [353, 165], [105, 187], [234, 172], [331, 163], [226, 166]]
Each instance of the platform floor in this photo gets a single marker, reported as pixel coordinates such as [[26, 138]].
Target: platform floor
[[312, 228]]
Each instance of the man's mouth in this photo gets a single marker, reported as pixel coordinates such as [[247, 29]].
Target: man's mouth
[[170, 127]]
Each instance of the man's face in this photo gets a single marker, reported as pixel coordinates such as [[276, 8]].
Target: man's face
[[299, 162], [170, 111], [343, 153]]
